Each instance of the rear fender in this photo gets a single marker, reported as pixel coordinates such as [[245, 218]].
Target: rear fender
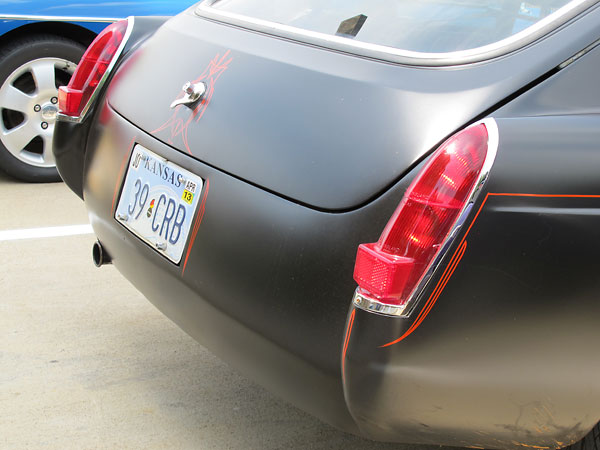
[[505, 357]]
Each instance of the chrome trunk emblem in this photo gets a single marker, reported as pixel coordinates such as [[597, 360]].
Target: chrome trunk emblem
[[192, 92]]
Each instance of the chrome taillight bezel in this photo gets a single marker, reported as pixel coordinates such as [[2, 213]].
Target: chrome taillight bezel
[[369, 303], [107, 74]]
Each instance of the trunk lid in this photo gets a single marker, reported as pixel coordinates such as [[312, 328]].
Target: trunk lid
[[322, 128]]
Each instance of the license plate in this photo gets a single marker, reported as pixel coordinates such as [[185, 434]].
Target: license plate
[[158, 202]]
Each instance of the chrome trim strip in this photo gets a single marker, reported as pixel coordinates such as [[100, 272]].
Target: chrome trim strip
[[90, 102], [58, 18], [578, 55], [511, 43], [372, 305], [367, 303]]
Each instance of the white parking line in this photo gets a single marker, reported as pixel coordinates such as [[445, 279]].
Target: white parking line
[[37, 233]]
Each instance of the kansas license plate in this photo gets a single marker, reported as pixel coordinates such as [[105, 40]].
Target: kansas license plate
[[158, 202]]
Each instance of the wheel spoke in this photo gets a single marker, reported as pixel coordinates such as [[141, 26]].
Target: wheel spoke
[[44, 76], [47, 154], [15, 99], [17, 138]]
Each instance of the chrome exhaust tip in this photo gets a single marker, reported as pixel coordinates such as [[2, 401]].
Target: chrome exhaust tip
[[99, 255]]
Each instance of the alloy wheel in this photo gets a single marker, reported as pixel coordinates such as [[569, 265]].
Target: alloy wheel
[[28, 109]]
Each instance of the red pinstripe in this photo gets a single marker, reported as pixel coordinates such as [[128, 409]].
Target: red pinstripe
[[198, 221], [121, 172], [346, 342], [458, 254]]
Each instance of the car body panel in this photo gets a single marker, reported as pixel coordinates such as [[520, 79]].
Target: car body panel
[[8, 25], [505, 357], [397, 114], [92, 9], [500, 348], [504, 354], [94, 16], [266, 321]]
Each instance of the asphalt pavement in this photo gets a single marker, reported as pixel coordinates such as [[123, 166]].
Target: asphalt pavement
[[87, 362]]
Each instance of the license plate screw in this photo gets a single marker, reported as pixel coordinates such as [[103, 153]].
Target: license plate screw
[[123, 217], [181, 179], [144, 157], [161, 245]]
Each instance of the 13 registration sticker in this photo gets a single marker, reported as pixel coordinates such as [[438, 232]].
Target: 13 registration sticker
[[189, 191]]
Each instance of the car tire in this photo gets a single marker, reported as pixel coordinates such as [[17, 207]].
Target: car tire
[[31, 69]]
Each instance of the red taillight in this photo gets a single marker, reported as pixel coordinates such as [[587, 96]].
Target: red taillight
[[96, 60], [390, 270]]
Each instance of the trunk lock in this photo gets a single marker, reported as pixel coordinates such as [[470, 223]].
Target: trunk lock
[[192, 92]]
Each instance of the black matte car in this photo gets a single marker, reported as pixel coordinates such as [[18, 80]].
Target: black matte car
[[386, 212]]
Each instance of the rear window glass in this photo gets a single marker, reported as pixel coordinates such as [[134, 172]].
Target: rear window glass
[[424, 26]]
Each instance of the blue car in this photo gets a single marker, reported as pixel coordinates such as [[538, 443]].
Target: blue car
[[41, 43]]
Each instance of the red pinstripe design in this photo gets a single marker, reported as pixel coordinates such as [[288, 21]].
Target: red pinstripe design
[[180, 120], [121, 172], [546, 195], [197, 222], [458, 254], [346, 342], [434, 295]]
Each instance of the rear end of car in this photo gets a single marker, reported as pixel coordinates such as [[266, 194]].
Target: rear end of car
[[312, 149]]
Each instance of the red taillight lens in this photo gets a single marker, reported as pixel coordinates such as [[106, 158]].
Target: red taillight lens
[[73, 98], [390, 269]]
